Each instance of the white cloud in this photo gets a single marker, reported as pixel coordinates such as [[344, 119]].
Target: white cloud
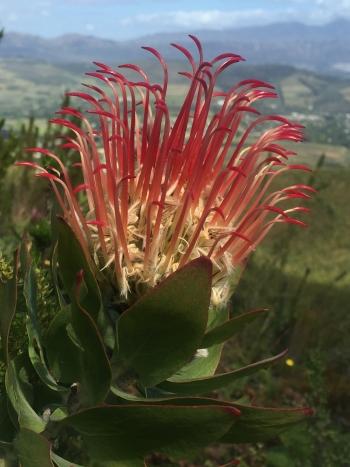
[[326, 7], [208, 19], [317, 11], [89, 27]]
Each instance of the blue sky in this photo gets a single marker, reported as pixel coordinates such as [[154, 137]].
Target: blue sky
[[124, 19]]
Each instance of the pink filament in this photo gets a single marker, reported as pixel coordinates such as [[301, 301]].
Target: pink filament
[[203, 164]]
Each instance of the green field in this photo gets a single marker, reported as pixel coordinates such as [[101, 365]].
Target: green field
[[28, 87]]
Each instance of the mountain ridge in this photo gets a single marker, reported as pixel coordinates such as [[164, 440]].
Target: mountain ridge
[[323, 48]]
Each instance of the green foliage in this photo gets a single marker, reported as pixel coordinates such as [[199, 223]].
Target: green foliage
[[19, 191], [72, 260], [127, 431], [206, 360], [17, 387], [218, 381], [118, 405], [8, 300], [229, 328], [94, 378], [260, 424], [303, 277], [33, 449], [292, 274], [171, 313]]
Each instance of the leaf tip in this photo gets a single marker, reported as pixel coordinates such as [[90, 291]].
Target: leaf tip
[[79, 278], [204, 262]]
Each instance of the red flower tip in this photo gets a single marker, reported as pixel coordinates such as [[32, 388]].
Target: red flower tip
[[96, 223], [233, 462], [228, 55], [309, 411], [81, 187], [31, 150], [291, 220], [79, 281], [232, 410], [28, 164], [47, 175]]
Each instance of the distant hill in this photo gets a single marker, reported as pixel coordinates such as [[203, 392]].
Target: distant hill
[[35, 87], [324, 48]]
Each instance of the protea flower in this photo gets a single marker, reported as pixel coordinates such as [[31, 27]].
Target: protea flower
[[179, 203], [159, 190]]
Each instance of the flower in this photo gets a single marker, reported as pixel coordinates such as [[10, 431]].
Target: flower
[[157, 191]]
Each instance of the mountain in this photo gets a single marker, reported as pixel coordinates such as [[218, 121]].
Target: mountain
[[323, 48]]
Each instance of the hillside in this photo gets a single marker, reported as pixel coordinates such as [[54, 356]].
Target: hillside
[[321, 103], [321, 48], [34, 87]]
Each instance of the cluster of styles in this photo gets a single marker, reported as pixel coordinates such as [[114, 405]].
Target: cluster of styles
[[157, 216]]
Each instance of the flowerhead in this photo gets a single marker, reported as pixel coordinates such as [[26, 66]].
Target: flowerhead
[[157, 190]]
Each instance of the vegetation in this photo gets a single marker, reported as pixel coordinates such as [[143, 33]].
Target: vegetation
[[292, 274], [303, 277]]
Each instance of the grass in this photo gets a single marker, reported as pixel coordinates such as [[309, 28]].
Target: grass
[[32, 88], [296, 93], [324, 247], [310, 152]]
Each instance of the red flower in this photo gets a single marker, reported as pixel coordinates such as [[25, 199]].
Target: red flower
[[159, 190]]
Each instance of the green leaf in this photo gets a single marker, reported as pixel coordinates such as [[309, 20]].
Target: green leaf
[[7, 430], [136, 462], [76, 354], [231, 327], [8, 301], [117, 433], [62, 354], [95, 375], [210, 384], [37, 358], [257, 424], [5, 447], [161, 332], [206, 361], [125, 398], [35, 350], [54, 273], [33, 449], [72, 260], [60, 462], [59, 414], [27, 417], [29, 285]]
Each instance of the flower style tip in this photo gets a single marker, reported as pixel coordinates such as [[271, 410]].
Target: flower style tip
[[157, 190], [309, 411]]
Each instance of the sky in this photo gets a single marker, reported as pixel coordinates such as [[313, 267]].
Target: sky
[[125, 19]]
